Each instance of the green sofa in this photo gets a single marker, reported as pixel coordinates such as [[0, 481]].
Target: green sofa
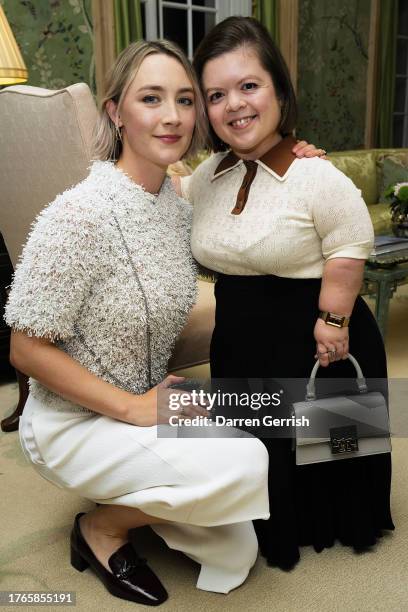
[[364, 168]]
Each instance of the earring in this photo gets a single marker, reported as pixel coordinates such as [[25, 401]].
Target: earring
[[118, 132]]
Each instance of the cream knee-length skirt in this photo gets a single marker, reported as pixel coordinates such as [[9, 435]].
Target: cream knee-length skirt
[[210, 488]]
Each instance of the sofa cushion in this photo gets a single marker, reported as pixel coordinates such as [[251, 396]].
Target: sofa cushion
[[400, 156], [360, 167], [381, 218], [392, 172]]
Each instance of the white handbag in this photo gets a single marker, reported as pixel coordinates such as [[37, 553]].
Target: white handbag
[[342, 426]]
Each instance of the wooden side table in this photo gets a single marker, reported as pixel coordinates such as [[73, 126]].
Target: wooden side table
[[382, 276]]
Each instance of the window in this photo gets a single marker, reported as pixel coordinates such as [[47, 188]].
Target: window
[[400, 123], [186, 22]]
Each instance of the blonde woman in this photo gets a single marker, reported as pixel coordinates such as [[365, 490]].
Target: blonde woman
[[103, 288]]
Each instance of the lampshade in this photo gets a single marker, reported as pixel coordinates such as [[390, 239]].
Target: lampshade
[[12, 67]]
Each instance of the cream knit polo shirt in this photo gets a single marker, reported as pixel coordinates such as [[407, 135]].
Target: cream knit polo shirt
[[287, 219]]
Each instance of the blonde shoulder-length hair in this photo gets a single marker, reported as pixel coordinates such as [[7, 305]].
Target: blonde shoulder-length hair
[[107, 141]]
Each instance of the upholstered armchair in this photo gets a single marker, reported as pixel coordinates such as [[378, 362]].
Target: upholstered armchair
[[46, 148]]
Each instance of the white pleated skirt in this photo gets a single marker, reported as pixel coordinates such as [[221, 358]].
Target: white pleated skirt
[[210, 488]]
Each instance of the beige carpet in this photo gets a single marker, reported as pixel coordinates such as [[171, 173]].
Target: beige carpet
[[36, 518]]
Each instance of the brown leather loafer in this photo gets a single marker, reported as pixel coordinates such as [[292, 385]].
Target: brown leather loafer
[[132, 578]]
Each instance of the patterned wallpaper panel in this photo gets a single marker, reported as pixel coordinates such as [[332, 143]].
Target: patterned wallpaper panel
[[332, 72], [56, 40]]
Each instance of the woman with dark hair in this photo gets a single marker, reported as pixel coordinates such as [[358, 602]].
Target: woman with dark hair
[[288, 238]]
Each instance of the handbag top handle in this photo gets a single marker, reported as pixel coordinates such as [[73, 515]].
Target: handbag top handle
[[311, 389]]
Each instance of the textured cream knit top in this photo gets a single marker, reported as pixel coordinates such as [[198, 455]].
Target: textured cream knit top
[[74, 283], [299, 213]]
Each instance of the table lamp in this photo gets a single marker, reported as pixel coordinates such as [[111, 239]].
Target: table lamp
[[12, 67]]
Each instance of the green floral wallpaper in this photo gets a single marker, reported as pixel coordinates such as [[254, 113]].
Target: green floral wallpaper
[[332, 71], [56, 40]]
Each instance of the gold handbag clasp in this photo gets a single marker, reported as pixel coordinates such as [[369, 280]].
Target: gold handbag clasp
[[343, 440]]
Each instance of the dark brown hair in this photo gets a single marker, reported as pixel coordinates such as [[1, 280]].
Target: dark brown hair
[[235, 32]]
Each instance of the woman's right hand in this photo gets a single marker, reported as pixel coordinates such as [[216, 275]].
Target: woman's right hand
[[154, 405]]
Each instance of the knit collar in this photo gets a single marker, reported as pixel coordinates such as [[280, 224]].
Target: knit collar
[[106, 173], [277, 161]]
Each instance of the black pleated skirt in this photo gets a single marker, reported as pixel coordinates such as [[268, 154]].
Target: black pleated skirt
[[264, 328]]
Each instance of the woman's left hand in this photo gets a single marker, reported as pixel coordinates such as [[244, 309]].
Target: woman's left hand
[[332, 343], [304, 149]]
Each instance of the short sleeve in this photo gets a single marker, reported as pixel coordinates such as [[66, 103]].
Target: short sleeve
[[54, 274], [341, 216]]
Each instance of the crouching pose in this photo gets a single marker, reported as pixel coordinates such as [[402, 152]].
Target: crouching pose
[[103, 288]]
